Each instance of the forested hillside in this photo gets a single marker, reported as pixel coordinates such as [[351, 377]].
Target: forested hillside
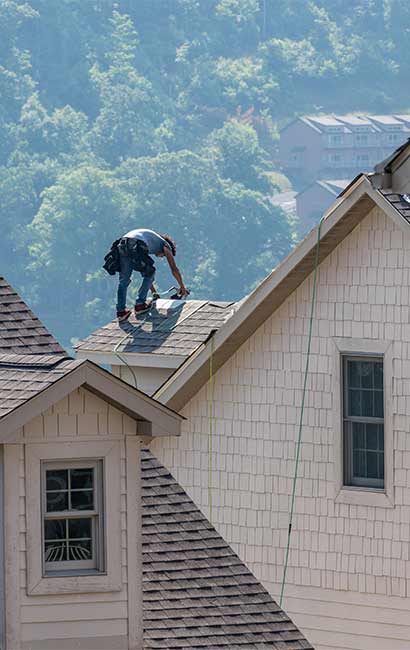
[[165, 114]]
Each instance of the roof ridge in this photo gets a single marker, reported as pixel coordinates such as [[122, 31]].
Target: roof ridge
[[32, 361]]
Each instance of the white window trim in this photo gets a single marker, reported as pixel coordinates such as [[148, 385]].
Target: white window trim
[[353, 495], [96, 514], [111, 578]]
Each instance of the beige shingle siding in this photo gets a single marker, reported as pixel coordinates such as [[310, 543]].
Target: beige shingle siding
[[350, 561], [81, 415], [21, 332]]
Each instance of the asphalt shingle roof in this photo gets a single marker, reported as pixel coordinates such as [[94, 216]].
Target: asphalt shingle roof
[[197, 592], [178, 333], [21, 332], [23, 376], [397, 201]]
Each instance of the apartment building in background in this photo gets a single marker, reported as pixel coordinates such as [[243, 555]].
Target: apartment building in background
[[320, 147]]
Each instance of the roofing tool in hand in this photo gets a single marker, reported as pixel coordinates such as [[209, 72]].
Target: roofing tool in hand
[[175, 296]]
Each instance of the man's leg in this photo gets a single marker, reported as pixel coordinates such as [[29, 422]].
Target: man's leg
[[124, 281], [147, 281]]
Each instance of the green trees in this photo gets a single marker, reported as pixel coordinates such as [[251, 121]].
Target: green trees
[[165, 114]]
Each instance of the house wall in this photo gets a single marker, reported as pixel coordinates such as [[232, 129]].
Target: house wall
[[311, 204], [300, 135], [348, 581], [72, 620], [148, 379]]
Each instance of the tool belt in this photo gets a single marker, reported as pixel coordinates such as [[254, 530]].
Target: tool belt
[[112, 259], [137, 250]]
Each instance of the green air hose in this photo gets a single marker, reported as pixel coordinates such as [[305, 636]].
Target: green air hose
[[299, 442], [211, 428]]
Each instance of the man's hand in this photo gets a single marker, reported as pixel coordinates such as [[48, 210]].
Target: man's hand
[[183, 291]]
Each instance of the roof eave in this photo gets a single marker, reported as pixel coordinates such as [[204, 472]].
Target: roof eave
[[349, 209], [138, 359], [153, 418]]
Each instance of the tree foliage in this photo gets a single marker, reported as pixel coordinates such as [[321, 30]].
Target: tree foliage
[[165, 114]]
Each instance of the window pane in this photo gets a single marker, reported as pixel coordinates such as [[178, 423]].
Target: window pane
[[55, 529], [57, 501], [358, 435], [372, 464], [372, 436], [79, 528], [378, 404], [82, 500], [381, 466], [354, 403], [353, 377], [378, 375], [80, 550], [381, 437], [57, 479], [55, 551], [359, 463], [366, 373], [82, 478]]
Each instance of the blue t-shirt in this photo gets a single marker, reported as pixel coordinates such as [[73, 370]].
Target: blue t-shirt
[[154, 242]]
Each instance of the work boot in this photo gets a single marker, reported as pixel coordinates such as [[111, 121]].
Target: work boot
[[141, 307], [123, 315]]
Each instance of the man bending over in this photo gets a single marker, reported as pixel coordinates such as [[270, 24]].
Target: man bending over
[[135, 249]]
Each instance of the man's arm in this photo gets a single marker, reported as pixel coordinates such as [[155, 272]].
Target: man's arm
[[175, 271]]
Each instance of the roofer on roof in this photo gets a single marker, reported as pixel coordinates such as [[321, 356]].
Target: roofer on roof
[[135, 248]]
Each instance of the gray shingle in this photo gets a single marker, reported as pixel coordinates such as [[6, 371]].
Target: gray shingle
[[197, 592], [397, 201], [21, 332], [23, 376], [178, 333]]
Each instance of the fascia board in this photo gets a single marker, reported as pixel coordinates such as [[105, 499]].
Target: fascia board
[[169, 390], [136, 404], [137, 359]]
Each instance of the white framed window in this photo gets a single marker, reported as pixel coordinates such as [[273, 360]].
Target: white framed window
[[72, 513], [363, 421], [335, 139], [335, 158], [79, 557], [363, 158], [362, 138], [362, 386]]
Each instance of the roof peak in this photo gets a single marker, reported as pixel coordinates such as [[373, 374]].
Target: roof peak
[[21, 332]]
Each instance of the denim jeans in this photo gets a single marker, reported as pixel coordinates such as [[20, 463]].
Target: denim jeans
[[125, 279]]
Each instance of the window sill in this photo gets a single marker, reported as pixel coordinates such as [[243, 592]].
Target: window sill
[[361, 497], [75, 585]]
